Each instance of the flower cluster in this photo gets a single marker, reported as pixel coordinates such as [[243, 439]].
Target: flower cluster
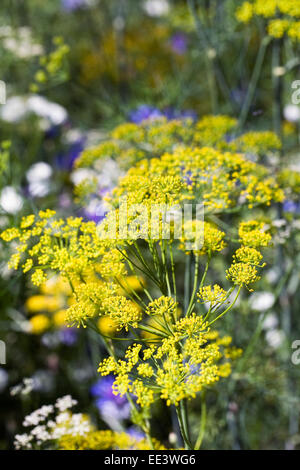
[[186, 361], [178, 147], [50, 422], [104, 440], [283, 16], [247, 258]]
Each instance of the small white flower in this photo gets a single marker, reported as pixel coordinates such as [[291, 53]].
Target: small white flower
[[14, 109], [10, 200], [18, 107], [39, 188], [275, 338], [23, 441], [270, 322], [261, 301], [53, 112], [65, 403], [156, 7], [291, 113], [279, 223], [109, 173], [81, 174], [39, 171]]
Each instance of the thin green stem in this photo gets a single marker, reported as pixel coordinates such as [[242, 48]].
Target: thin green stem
[[173, 270], [202, 422], [254, 81], [227, 309], [192, 300], [187, 281], [182, 419]]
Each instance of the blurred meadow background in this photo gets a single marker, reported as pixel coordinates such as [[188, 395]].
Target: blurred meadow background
[[80, 75]]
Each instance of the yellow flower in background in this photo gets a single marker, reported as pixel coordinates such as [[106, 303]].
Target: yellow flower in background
[[56, 285], [107, 326], [60, 318], [39, 324], [37, 303], [282, 16]]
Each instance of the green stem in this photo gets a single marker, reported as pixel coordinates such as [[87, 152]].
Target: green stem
[[227, 309], [202, 422], [254, 80], [182, 419], [277, 86], [173, 270], [192, 303], [187, 281], [153, 331]]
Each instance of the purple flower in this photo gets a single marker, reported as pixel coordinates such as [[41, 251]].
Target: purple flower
[[71, 5], [291, 206], [68, 336], [66, 160], [103, 388], [179, 43], [95, 211], [113, 408], [172, 114], [144, 112], [135, 433]]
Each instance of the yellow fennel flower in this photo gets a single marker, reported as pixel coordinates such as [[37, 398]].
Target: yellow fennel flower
[[39, 324]]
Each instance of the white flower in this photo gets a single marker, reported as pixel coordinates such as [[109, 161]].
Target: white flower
[[23, 441], [261, 301], [38, 178], [291, 113], [109, 174], [24, 49], [55, 427], [80, 175], [270, 322], [10, 200], [275, 338], [41, 434], [62, 417], [65, 403], [39, 188], [20, 42], [18, 107], [39, 171], [53, 112], [14, 109], [279, 223], [156, 7], [24, 388]]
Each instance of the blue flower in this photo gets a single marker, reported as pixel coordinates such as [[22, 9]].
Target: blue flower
[[71, 5], [66, 160], [113, 408], [171, 114], [135, 433], [68, 336], [102, 390], [179, 43], [291, 206], [144, 112]]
